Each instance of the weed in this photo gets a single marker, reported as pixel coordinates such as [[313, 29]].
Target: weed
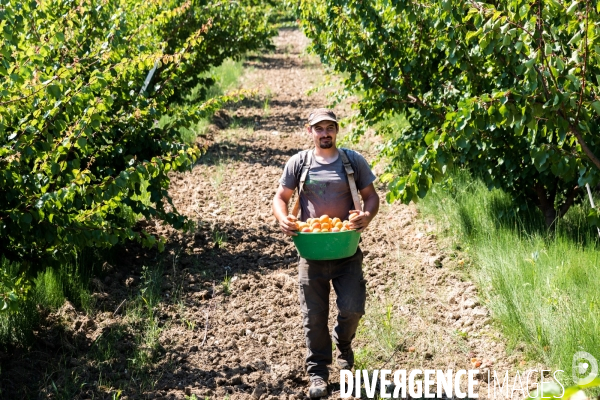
[[219, 238], [226, 77], [150, 286], [378, 337], [362, 358], [462, 334], [387, 321], [539, 285], [50, 291], [218, 175], [266, 108], [266, 105], [226, 284], [191, 325]]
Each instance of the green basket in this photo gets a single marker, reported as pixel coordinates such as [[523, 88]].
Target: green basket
[[326, 245]]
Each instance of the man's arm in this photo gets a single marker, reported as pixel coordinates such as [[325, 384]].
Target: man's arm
[[371, 207], [287, 223]]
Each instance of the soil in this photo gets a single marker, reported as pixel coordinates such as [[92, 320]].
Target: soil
[[244, 340]]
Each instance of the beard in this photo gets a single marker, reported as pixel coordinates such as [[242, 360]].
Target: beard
[[326, 143]]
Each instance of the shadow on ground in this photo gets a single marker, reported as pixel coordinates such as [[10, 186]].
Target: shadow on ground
[[71, 350], [246, 152]]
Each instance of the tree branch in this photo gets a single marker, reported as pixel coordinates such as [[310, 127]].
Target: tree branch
[[584, 146], [571, 195], [585, 62]]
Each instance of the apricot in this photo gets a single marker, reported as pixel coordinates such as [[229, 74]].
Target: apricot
[[324, 224]]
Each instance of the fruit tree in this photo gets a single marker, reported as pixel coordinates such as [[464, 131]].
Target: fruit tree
[[82, 87], [510, 89]]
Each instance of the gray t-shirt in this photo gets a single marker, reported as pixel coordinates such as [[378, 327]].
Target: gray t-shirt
[[326, 189]]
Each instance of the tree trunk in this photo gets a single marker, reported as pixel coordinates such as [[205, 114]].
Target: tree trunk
[[546, 203]]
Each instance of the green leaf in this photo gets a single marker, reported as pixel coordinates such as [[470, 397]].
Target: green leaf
[[575, 39], [503, 110], [559, 63], [113, 239], [429, 138], [556, 99], [26, 218], [54, 91]]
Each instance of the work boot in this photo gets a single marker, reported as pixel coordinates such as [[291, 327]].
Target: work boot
[[345, 358], [318, 388]]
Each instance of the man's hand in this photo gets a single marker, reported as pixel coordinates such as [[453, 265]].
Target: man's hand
[[359, 220], [288, 225]]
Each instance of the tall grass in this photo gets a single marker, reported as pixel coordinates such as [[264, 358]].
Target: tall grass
[[141, 323], [218, 81], [49, 290], [541, 285], [226, 77]]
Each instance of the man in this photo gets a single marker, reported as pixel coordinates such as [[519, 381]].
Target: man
[[326, 191]]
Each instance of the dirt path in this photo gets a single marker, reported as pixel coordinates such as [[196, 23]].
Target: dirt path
[[229, 323], [255, 342]]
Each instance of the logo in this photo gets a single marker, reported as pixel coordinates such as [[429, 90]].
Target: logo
[[585, 368]]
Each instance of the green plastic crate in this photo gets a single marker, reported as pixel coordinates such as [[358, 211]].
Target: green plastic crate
[[326, 245]]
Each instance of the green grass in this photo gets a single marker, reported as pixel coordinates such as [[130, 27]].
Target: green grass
[[219, 81], [542, 286], [140, 326], [219, 174], [226, 284], [141, 314], [226, 77], [378, 337], [49, 290]]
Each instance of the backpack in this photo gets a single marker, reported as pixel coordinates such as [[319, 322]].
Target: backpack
[[306, 160]]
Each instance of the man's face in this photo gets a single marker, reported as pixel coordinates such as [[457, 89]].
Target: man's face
[[323, 134]]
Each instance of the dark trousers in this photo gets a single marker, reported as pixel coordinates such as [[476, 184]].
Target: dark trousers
[[349, 285]]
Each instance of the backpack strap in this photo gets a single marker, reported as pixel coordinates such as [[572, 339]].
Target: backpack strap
[[351, 182], [303, 175]]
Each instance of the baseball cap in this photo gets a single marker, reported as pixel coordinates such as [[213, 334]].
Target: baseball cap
[[321, 114]]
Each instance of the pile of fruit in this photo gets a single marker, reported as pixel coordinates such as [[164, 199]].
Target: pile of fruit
[[325, 224]]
